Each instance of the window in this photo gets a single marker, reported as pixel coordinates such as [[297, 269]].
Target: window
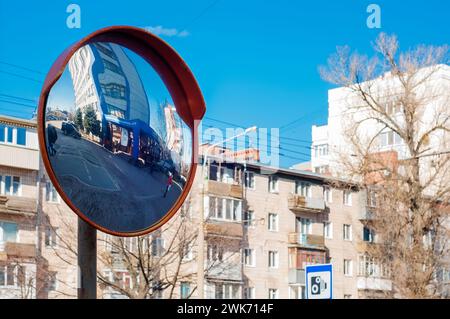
[[303, 189], [51, 281], [327, 195], [227, 291], [304, 225], [157, 246], [347, 198], [273, 184], [249, 218], [273, 259], [16, 186], [248, 257], [273, 293], [9, 134], [185, 290], [370, 267], [368, 235], [324, 169], [223, 174], [8, 275], [347, 232], [129, 244], [297, 292], [51, 195], [348, 267], [225, 208], [112, 67], [113, 90], [8, 232], [390, 138], [187, 252], [328, 230], [21, 136], [372, 198], [106, 50], [11, 185], [321, 150], [273, 222], [215, 252], [392, 107], [111, 244], [249, 292], [250, 180], [50, 236], [2, 133]]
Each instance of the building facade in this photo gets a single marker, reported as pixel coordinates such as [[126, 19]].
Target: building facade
[[31, 265]]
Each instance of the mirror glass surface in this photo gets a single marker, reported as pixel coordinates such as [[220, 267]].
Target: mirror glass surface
[[119, 150]]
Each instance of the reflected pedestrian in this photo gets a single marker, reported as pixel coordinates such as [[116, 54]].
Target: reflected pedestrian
[[169, 184], [52, 136]]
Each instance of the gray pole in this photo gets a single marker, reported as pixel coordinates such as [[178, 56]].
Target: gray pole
[[87, 261]]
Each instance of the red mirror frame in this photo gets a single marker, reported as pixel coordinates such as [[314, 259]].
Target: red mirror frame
[[175, 74]]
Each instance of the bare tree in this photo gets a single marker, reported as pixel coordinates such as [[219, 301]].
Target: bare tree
[[143, 267], [399, 95]]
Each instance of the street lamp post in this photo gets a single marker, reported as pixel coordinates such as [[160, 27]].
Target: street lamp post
[[201, 234]]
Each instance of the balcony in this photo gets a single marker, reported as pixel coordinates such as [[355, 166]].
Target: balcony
[[307, 240], [373, 283], [19, 250], [224, 270], [225, 189], [296, 276], [300, 203], [367, 213], [18, 205], [224, 228], [19, 157]]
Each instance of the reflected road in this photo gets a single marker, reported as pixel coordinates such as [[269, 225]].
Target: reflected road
[[107, 188]]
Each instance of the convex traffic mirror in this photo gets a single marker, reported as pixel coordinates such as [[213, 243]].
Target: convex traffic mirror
[[117, 121]]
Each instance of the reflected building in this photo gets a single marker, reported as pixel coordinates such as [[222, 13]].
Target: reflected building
[[174, 136], [106, 80]]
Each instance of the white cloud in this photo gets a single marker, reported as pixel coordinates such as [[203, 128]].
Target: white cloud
[[168, 32]]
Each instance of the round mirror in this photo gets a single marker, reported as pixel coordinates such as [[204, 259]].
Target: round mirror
[[119, 153]]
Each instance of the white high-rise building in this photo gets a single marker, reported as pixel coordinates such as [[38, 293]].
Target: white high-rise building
[[330, 141]]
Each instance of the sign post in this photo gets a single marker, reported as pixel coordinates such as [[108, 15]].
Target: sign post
[[87, 261], [319, 281]]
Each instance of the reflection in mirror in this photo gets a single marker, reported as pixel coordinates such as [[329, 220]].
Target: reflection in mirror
[[116, 144]]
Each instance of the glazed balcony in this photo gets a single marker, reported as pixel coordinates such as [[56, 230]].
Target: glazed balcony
[[19, 156], [296, 276]]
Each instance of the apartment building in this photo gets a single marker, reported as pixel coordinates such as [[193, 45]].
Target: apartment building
[[278, 221], [331, 140], [261, 227], [31, 264], [19, 165]]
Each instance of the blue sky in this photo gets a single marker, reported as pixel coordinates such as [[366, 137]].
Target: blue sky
[[256, 62]]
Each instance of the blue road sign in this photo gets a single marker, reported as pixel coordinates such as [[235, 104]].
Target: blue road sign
[[319, 281]]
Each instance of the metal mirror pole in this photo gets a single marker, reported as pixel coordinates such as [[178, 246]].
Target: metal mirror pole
[[87, 261]]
